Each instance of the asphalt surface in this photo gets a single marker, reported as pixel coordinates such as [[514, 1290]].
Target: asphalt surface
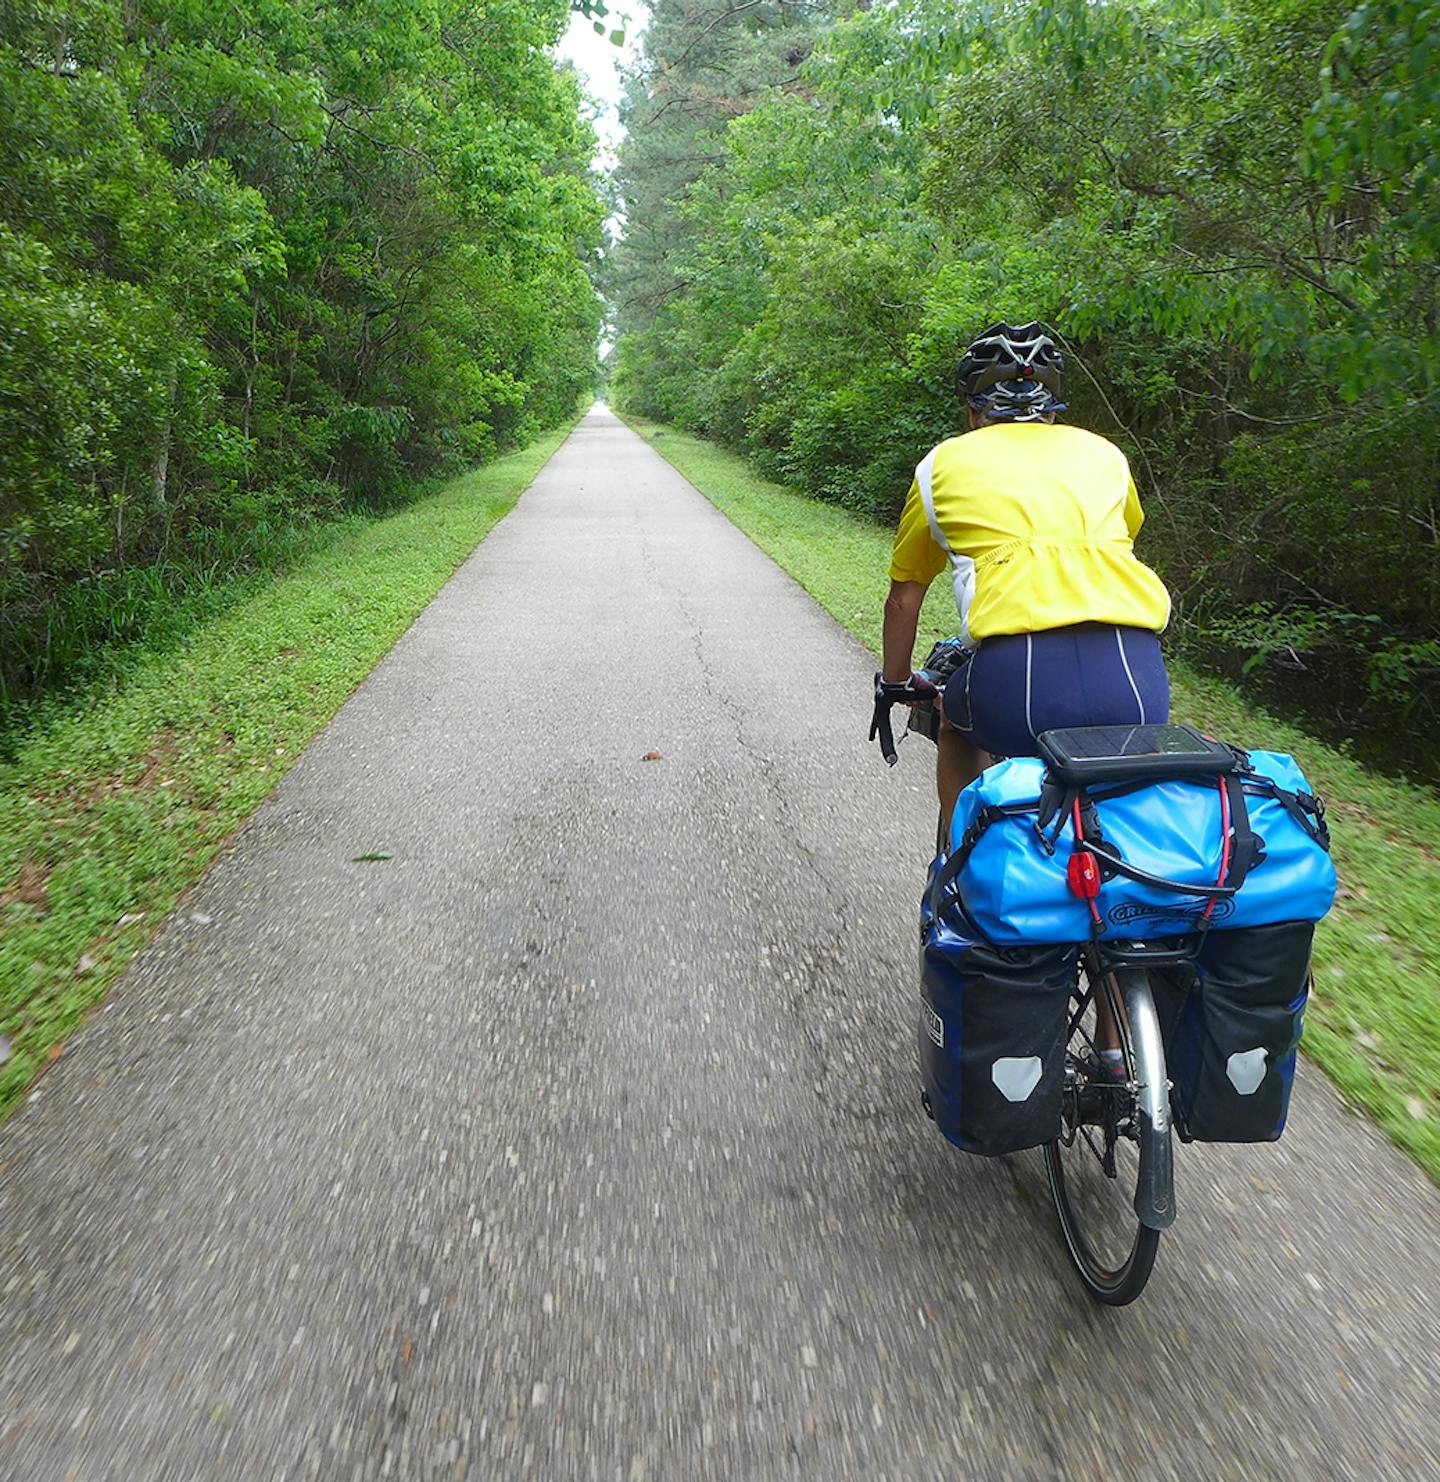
[[580, 1138]]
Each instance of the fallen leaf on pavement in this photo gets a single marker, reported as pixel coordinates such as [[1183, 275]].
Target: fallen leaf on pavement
[[652, 756]]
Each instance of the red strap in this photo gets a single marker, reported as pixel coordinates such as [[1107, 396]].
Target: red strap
[[1224, 845]]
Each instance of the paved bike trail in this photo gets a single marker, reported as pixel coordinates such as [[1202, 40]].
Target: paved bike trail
[[580, 1138]]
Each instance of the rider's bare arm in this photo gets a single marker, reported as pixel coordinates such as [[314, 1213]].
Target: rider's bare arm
[[902, 617]]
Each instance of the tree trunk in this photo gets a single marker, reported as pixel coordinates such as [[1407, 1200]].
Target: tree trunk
[[160, 474], [253, 369], [120, 518]]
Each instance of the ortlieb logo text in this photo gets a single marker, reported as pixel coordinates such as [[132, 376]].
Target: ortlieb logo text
[[1128, 913]]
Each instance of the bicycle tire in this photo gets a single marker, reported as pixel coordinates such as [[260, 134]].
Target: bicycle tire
[[1114, 1284], [1115, 1288]]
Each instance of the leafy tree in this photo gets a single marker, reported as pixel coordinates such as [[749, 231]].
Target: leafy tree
[[260, 259]]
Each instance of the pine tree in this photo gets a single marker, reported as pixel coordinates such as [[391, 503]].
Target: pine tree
[[703, 63]]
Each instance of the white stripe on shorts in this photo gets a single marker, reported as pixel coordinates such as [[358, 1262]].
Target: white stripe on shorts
[[1124, 659], [1029, 655]]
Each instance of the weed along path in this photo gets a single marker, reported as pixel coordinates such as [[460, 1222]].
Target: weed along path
[[504, 1104]]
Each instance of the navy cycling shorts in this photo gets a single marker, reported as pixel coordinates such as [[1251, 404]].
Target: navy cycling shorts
[[1020, 684]]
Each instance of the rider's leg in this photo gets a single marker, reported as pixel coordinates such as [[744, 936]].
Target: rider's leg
[[960, 762], [1107, 1031]]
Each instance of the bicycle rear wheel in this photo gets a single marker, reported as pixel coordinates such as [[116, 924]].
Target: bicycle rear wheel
[[1109, 1156]]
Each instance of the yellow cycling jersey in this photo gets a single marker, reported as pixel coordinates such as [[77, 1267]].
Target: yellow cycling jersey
[[1038, 522]]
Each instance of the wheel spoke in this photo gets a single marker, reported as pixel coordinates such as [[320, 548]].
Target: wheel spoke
[[1084, 1003]]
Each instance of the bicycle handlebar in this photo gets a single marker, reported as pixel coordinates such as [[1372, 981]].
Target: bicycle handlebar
[[887, 695]]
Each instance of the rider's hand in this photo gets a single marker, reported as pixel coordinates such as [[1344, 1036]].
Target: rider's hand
[[925, 688], [912, 691]]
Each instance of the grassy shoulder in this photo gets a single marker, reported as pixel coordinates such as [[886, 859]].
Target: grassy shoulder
[[1374, 1021], [112, 810]]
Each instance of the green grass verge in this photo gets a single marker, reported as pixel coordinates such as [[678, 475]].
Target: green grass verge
[[1374, 1021], [112, 810]]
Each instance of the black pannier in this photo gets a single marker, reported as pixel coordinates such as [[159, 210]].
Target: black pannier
[[993, 1030], [1232, 1025]]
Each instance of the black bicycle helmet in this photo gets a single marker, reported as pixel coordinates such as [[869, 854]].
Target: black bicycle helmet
[[1012, 374]]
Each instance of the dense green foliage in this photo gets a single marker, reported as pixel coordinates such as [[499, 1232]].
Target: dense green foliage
[[260, 260], [1230, 212]]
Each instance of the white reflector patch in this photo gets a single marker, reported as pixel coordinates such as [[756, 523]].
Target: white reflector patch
[[1246, 1069], [1016, 1076], [936, 1025]]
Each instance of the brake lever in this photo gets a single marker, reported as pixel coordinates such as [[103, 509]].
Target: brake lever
[[880, 726]]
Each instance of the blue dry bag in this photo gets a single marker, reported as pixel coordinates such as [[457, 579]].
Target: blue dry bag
[[1038, 858]]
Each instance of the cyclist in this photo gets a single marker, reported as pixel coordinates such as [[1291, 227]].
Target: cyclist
[[1059, 619]]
